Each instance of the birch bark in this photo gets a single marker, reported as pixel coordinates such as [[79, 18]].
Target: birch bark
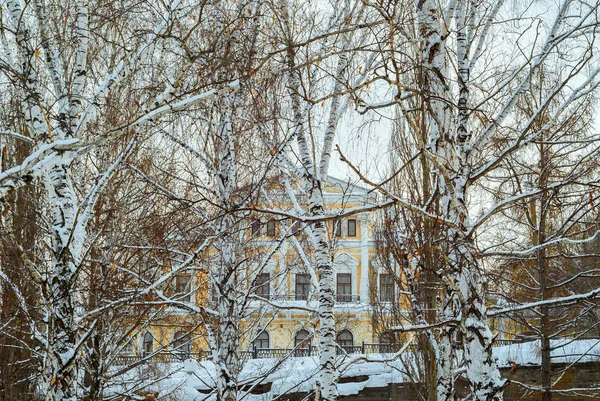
[[433, 82], [59, 365], [314, 170], [448, 145], [227, 277], [56, 125], [328, 376]]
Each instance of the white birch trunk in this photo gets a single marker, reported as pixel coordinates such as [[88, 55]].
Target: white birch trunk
[[482, 373], [227, 358], [227, 361], [435, 89], [314, 171], [449, 148], [54, 132], [327, 377], [60, 364]]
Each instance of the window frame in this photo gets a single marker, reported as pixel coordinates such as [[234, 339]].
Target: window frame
[[256, 228], [344, 342], [302, 343], [387, 287], [182, 344], [262, 287], [147, 339], [259, 341], [345, 295], [296, 228], [304, 285], [271, 229], [336, 228], [184, 291], [353, 232]]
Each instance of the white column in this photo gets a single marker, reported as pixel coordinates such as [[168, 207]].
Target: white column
[[364, 258]]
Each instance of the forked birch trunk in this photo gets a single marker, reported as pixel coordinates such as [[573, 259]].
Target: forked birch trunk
[[314, 171], [448, 144]]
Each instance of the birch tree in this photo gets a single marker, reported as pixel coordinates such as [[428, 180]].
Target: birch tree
[[465, 101], [53, 60], [308, 154], [223, 156]]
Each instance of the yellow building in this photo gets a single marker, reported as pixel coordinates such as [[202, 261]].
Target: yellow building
[[287, 284], [279, 276]]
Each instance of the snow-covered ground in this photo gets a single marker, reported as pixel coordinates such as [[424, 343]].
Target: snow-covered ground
[[565, 350], [192, 381]]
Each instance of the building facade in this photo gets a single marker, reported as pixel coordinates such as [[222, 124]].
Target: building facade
[[288, 284], [280, 284]]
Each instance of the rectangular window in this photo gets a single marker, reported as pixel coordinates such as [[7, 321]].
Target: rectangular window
[[213, 293], [351, 227], [337, 228], [271, 228], [182, 288], [256, 228], [344, 287], [302, 286], [386, 288], [262, 285], [296, 228]]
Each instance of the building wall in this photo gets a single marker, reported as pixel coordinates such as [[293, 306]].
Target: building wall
[[352, 254]]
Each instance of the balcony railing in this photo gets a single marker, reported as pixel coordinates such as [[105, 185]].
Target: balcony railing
[[313, 297], [500, 342], [346, 298], [293, 297], [165, 357], [277, 353]]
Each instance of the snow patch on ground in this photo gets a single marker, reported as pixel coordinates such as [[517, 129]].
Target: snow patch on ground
[[193, 380], [564, 351]]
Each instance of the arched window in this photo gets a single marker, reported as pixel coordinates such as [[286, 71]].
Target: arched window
[[262, 341], [182, 344], [302, 339], [345, 339], [148, 344], [262, 285]]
